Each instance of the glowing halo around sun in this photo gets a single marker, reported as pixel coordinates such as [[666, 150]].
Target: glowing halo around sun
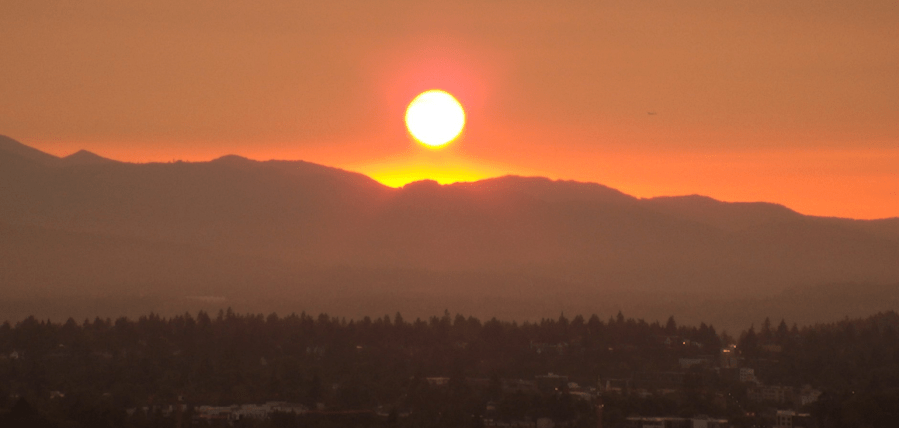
[[435, 118]]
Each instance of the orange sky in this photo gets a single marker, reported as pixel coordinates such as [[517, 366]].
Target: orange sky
[[788, 102]]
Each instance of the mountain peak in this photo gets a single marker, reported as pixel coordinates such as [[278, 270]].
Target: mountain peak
[[232, 159], [84, 157], [421, 185], [550, 190]]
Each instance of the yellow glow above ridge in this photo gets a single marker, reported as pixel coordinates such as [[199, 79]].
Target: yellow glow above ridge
[[444, 169]]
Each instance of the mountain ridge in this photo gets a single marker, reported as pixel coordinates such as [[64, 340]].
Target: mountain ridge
[[12, 146], [540, 239]]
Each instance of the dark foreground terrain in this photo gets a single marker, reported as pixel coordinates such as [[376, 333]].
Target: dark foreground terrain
[[227, 369]]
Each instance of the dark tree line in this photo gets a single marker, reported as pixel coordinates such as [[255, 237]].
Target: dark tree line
[[855, 362], [95, 369]]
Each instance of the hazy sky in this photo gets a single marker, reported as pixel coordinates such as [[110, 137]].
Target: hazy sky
[[791, 102]]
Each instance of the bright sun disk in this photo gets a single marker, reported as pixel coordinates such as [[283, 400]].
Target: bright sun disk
[[435, 118]]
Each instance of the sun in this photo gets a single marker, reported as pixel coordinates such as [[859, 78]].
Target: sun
[[435, 118]]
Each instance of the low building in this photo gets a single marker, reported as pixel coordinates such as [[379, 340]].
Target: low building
[[551, 381], [658, 380], [775, 393], [545, 423], [581, 395], [791, 419], [621, 386], [438, 381], [479, 383], [686, 363], [700, 421], [247, 411]]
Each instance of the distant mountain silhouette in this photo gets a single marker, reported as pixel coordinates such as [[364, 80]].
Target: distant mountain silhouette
[[10, 147], [732, 217], [84, 157], [85, 224]]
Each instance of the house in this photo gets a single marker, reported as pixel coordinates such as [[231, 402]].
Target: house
[[791, 419], [621, 386], [318, 351], [210, 413], [808, 395], [526, 423], [703, 421], [658, 379], [251, 411], [729, 358], [557, 348], [774, 349], [438, 381], [511, 386], [672, 340], [545, 423], [747, 375]]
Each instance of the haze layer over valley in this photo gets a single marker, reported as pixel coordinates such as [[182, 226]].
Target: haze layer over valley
[[83, 233]]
